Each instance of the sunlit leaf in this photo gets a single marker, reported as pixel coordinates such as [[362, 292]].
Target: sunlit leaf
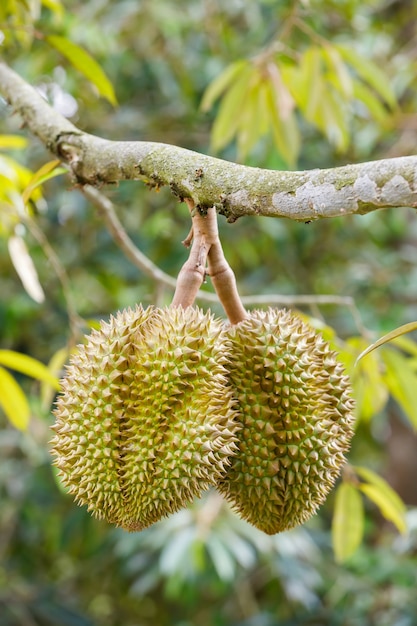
[[348, 521], [25, 268], [85, 63], [250, 123], [338, 71], [221, 82], [370, 74], [47, 171], [369, 385], [406, 344], [397, 332], [401, 381], [311, 68], [383, 495], [228, 117], [12, 141], [13, 401], [285, 132], [27, 365]]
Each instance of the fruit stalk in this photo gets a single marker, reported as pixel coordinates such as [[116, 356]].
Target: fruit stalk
[[207, 257]]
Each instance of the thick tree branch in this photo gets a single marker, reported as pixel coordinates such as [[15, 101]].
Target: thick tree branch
[[234, 189]]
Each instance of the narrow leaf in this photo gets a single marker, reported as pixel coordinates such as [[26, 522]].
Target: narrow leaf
[[385, 506], [85, 63], [27, 365], [388, 500], [311, 67], [348, 521], [250, 123], [402, 382], [371, 101], [369, 385], [285, 132], [228, 117], [370, 74], [13, 401], [397, 332], [220, 83], [47, 171], [12, 141], [25, 268], [338, 71]]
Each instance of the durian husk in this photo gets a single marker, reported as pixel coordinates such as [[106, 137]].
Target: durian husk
[[146, 422], [296, 412]]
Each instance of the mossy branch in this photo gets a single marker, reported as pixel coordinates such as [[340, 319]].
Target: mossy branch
[[234, 189]]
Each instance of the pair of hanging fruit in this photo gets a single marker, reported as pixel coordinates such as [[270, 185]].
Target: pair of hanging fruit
[[162, 404]]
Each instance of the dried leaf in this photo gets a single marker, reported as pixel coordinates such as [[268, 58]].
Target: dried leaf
[[25, 268]]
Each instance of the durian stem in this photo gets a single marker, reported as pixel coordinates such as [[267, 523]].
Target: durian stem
[[193, 272], [206, 249], [224, 282], [192, 275]]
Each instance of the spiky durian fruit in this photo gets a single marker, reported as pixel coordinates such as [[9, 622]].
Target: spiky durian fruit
[[146, 419], [296, 412]]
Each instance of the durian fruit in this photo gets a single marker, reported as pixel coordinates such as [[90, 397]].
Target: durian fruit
[[295, 408], [146, 419]]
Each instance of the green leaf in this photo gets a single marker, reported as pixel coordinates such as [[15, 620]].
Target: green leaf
[[13, 141], [372, 103], [401, 381], [83, 62], [13, 401], [338, 71], [29, 366], [348, 521], [397, 332], [228, 118], [370, 74], [47, 171], [384, 496], [249, 124], [368, 381], [221, 82], [312, 68], [331, 118], [285, 131]]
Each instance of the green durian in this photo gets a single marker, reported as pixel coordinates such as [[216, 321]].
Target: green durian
[[146, 421], [296, 412]]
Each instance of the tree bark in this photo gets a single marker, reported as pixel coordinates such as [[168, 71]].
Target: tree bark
[[234, 189]]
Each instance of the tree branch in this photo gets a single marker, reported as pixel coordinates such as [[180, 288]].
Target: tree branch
[[234, 189]]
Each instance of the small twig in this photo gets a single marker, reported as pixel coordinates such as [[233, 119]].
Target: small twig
[[106, 210]]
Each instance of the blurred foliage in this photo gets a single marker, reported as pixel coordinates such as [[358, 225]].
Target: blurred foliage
[[274, 84]]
